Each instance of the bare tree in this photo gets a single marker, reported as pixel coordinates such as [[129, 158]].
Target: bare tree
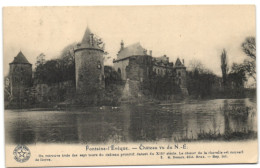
[[67, 53], [40, 60], [196, 65], [249, 47], [250, 68]]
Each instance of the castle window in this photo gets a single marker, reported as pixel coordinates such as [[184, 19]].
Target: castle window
[[119, 71], [179, 73], [99, 65], [80, 77]]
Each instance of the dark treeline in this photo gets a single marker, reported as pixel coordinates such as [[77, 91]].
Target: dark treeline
[[161, 87], [114, 86], [202, 83], [56, 70]]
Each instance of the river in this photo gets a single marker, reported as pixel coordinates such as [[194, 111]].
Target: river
[[210, 120]]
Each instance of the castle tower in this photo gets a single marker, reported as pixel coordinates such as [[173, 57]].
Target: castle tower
[[181, 76], [20, 77], [89, 64]]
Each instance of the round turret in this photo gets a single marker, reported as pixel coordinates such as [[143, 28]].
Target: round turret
[[89, 64]]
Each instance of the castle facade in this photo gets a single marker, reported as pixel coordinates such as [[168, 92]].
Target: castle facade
[[135, 63]]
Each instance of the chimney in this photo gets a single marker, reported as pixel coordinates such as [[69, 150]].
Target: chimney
[[122, 44], [91, 39], [145, 52], [183, 61], [151, 52]]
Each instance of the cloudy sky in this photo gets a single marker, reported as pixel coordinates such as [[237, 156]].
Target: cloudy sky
[[187, 32]]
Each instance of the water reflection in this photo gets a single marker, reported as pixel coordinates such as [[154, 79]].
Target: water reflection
[[194, 120]]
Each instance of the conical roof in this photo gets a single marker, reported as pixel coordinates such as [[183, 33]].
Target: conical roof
[[178, 63], [90, 40], [20, 59], [86, 37]]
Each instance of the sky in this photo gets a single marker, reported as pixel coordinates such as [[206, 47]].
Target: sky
[[187, 32]]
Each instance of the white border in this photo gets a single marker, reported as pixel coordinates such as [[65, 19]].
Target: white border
[[111, 3]]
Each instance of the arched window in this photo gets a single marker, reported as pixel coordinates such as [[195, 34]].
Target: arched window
[[119, 71]]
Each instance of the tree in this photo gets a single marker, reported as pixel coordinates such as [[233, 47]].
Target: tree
[[249, 48], [237, 75], [196, 65], [40, 60], [67, 53], [200, 80], [250, 68], [224, 66]]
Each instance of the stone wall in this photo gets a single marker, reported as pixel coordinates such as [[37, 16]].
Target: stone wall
[[181, 77], [20, 78], [131, 90], [89, 67], [139, 68], [53, 92], [120, 67]]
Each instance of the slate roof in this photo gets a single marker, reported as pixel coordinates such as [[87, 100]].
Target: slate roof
[[178, 63], [86, 37], [86, 40], [134, 49], [20, 59], [163, 59]]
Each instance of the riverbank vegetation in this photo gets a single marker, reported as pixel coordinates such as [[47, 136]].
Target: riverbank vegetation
[[203, 83]]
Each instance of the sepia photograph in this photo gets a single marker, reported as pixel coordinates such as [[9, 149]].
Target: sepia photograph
[[130, 82]]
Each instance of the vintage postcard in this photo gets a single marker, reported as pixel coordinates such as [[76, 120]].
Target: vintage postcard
[[130, 85]]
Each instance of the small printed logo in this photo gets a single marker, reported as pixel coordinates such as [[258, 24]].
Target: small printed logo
[[21, 153]]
